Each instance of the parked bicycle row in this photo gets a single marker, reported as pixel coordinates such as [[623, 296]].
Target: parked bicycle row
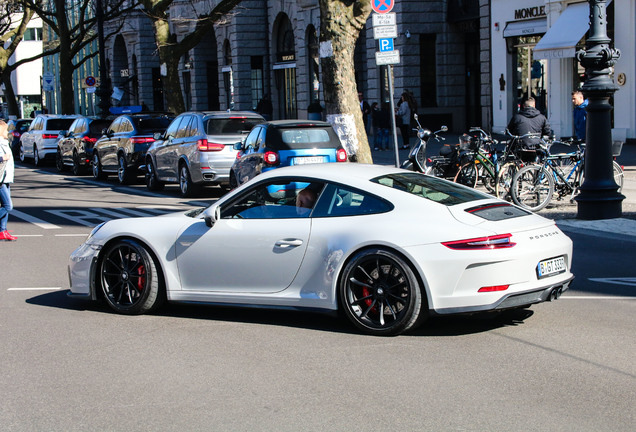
[[527, 169]]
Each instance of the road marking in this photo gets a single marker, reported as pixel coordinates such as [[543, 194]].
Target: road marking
[[630, 281], [71, 235], [29, 235], [35, 289], [33, 220]]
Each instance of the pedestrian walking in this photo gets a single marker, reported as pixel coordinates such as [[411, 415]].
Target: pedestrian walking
[[579, 114], [403, 113], [6, 178]]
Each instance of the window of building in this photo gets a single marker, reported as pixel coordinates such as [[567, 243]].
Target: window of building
[[32, 34], [313, 61], [256, 79], [428, 70]]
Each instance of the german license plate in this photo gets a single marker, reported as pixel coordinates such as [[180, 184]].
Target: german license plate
[[308, 160], [551, 267]]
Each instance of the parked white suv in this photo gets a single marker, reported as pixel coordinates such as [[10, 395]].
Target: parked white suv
[[40, 141]]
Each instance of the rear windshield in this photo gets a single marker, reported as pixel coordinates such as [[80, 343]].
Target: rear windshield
[[431, 188], [233, 126], [150, 125], [58, 124], [22, 126], [97, 126], [302, 138]]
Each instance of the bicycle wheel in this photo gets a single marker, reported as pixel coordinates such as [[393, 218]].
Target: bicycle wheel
[[532, 187], [618, 175], [504, 180], [487, 179], [467, 175]]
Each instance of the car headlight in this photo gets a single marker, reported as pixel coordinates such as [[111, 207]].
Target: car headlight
[[94, 231]]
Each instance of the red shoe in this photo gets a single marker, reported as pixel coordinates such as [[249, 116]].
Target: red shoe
[[4, 235]]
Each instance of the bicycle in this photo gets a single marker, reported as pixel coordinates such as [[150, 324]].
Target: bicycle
[[481, 157], [514, 158], [533, 186]]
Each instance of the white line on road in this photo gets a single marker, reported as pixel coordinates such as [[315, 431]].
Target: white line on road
[[71, 235], [630, 281], [568, 297], [33, 220], [35, 289]]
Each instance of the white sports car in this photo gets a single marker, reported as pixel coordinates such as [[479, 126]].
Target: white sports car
[[387, 247]]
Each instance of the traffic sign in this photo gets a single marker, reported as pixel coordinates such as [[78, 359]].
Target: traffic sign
[[387, 58], [382, 6], [386, 44], [384, 19], [90, 81], [48, 80], [382, 32]]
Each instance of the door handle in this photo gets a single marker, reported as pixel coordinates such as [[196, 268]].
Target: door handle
[[288, 243]]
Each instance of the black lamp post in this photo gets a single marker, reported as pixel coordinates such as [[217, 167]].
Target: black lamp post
[[104, 79], [599, 197]]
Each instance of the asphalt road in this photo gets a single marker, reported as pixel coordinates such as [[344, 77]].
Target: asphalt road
[[75, 366]]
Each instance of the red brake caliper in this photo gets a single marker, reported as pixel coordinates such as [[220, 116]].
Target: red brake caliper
[[141, 280]]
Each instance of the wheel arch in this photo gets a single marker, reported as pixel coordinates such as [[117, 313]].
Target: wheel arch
[[96, 291], [417, 271]]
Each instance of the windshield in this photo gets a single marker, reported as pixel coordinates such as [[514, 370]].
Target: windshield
[[233, 126], [431, 188], [150, 125]]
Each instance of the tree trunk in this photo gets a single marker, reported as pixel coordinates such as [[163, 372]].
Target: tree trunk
[[340, 25], [65, 59], [9, 95], [169, 56]]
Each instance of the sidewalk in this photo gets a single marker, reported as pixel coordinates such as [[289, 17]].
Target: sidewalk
[[563, 212]]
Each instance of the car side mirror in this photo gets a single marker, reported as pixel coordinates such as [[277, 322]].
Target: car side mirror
[[238, 146], [444, 128], [157, 136], [211, 215], [64, 133]]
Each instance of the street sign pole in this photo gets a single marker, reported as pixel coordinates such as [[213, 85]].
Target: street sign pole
[[393, 125]]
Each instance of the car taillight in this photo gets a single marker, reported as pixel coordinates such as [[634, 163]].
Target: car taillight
[[141, 140], [48, 136], [16, 134], [489, 242], [89, 140], [271, 158], [341, 155], [493, 288], [205, 146]]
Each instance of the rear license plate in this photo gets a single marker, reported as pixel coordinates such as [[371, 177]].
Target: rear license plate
[[308, 160], [551, 267]]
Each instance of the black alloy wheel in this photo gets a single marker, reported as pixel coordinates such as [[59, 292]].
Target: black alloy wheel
[[59, 162], [129, 278], [36, 157], [98, 172], [124, 175], [380, 294], [76, 168]]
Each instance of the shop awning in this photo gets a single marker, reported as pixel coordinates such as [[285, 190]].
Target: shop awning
[[560, 41], [525, 28]]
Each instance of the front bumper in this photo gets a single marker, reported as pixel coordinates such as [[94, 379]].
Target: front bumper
[[81, 270]]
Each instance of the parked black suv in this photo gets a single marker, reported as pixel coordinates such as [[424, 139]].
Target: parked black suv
[[123, 146], [75, 148]]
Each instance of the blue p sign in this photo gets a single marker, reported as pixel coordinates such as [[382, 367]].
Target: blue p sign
[[386, 44]]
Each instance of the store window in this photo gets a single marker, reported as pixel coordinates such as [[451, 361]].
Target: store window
[[529, 74]]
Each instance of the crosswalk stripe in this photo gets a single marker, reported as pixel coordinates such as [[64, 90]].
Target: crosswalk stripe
[[33, 220]]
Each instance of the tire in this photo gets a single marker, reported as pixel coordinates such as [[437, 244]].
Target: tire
[[380, 294], [36, 157], [186, 186], [467, 175], [152, 182], [98, 172], [233, 182], [59, 163], [504, 180], [22, 155], [124, 174], [619, 175], [76, 169], [129, 279], [532, 187]]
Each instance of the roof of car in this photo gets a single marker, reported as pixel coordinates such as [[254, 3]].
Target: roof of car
[[297, 123], [226, 114], [357, 172]]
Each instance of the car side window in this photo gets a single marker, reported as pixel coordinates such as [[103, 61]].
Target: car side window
[[275, 200], [79, 127], [192, 129], [338, 200], [260, 140], [172, 130], [115, 126], [37, 124], [184, 127], [126, 126], [250, 141]]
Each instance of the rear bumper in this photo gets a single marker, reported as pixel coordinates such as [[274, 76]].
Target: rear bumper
[[514, 300]]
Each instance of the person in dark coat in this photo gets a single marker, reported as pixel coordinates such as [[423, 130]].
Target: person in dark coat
[[579, 114], [529, 120]]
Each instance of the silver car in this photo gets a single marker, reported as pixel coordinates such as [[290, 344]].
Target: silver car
[[40, 141], [197, 149]]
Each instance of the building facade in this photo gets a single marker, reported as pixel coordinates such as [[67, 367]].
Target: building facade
[[271, 48], [533, 47]]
